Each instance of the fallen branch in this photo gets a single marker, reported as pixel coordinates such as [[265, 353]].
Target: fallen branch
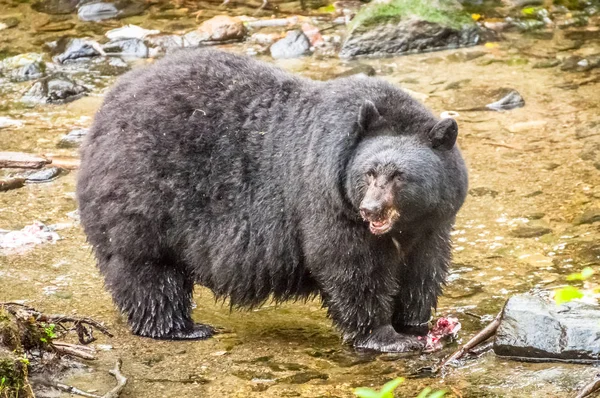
[[479, 338], [121, 381], [114, 393], [74, 350], [589, 389]]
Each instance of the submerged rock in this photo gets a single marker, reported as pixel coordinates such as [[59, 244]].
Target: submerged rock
[[23, 67], [55, 6], [21, 160], [73, 139], [589, 216], [403, 26], [510, 101], [528, 231], [295, 44], [97, 11], [360, 69], [56, 89], [533, 328], [218, 29], [130, 32]]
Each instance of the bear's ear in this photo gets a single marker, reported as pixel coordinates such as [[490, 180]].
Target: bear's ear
[[443, 135], [368, 115]]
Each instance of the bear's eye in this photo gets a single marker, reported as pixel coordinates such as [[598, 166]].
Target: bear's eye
[[398, 176], [371, 174]]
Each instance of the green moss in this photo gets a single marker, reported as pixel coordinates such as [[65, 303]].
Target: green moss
[[395, 10]]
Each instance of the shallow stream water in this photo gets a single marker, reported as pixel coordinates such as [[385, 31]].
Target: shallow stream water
[[526, 174]]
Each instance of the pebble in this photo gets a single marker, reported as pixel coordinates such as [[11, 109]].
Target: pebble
[[73, 139], [511, 101], [589, 216], [526, 231], [295, 44], [526, 126], [56, 89]]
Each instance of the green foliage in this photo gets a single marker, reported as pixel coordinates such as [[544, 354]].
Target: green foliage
[[400, 9], [585, 273], [48, 333], [387, 391], [567, 294]]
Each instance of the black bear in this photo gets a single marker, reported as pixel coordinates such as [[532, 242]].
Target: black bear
[[220, 170]]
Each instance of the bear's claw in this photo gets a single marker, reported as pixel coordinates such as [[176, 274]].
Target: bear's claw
[[198, 332]]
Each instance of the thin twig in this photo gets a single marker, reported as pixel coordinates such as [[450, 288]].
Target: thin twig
[[590, 388], [121, 381], [71, 390], [479, 338]]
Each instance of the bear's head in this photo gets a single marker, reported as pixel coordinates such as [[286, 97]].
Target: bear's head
[[406, 170]]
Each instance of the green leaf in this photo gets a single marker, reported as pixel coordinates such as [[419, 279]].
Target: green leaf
[[567, 294], [528, 11], [390, 386], [585, 273], [363, 392], [424, 393]]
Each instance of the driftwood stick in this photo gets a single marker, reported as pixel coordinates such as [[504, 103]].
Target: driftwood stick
[[71, 390], [479, 338], [65, 318], [121, 381], [589, 389], [74, 350]]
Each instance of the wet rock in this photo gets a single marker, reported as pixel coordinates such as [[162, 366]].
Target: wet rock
[[76, 49], [218, 29], [159, 45], [21, 160], [56, 26], [580, 64], [549, 63], [73, 139], [295, 44], [45, 175], [98, 11], [360, 69], [537, 329], [23, 67], [535, 216], [303, 377], [483, 191], [7, 23], [401, 26], [55, 6], [527, 126], [589, 216], [591, 153], [7, 184], [30, 235], [457, 85], [134, 48], [528, 231], [56, 89], [510, 101]]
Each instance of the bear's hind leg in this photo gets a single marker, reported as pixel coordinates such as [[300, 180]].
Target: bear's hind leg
[[155, 296]]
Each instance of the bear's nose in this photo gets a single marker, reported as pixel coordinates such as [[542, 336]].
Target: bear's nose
[[370, 209]]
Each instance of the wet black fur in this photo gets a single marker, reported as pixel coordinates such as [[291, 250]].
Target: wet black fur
[[216, 169]]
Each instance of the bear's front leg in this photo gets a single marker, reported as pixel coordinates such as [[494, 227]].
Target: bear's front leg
[[421, 279], [357, 278]]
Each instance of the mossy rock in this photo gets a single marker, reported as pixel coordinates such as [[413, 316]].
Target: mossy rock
[[13, 375], [411, 26]]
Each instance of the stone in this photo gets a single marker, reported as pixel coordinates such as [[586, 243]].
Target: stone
[[44, 175], [130, 32], [10, 22], [11, 183], [535, 328], [483, 191], [549, 63], [134, 48], [159, 45], [73, 139], [360, 69], [295, 44], [75, 49], [410, 26], [55, 7], [510, 101], [527, 126], [95, 11], [217, 29], [23, 67], [527, 231], [21, 160], [589, 216], [591, 153], [8, 122], [56, 89]]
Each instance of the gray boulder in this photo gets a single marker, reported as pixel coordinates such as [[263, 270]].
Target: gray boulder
[[534, 328], [295, 44], [403, 26]]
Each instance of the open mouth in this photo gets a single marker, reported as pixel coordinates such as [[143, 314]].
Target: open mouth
[[380, 227]]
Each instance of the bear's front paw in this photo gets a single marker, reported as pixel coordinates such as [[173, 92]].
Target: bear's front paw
[[386, 339], [197, 332]]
